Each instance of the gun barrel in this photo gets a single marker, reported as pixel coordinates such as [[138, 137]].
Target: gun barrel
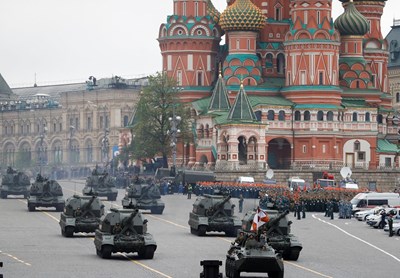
[[128, 220]]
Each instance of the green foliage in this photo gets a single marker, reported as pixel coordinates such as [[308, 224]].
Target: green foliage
[[151, 124]]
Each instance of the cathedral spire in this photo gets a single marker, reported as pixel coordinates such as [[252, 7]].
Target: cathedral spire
[[241, 109], [219, 99]]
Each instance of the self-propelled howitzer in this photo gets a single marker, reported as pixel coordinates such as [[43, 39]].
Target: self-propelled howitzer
[[278, 233], [213, 213], [124, 230], [143, 196]]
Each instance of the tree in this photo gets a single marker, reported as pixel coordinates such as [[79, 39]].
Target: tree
[[151, 127]]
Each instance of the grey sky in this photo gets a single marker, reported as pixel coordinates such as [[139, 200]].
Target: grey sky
[[65, 41]]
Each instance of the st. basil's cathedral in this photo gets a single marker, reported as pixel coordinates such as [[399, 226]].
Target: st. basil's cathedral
[[288, 88]]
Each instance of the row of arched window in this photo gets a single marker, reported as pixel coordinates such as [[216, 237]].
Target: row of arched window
[[321, 116]]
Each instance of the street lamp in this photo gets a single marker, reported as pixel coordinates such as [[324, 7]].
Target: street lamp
[[42, 136], [175, 120], [71, 134], [105, 145]]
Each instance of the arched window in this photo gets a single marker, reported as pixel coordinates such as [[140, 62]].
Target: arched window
[[280, 63], [320, 116], [207, 131], [379, 119], [281, 116], [329, 116], [258, 115], [397, 97], [355, 117], [125, 121], [297, 116], [268, 61], [367, 117], [357, 147], [307, 115], [271, 115]]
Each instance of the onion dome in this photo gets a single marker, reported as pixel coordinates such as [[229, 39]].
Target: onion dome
[[212, 11], [242, 16], [352, 22]]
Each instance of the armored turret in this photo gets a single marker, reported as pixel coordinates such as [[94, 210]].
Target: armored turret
[[45, 193], [124, 230], [143, 196], [213, 213], [81, 214], [101, 184], [278, 233], [14, 183]]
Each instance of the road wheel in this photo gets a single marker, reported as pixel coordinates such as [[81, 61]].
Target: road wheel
[[233, 232], [31, 207], [201, 230], [157, 210], [398, 232], [147, 252], [106, 251], [69, 231], [294, 253], [193, 231], [275, 274], [59, 207]]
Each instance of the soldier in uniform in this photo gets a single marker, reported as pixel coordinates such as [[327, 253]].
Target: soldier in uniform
[[241, 199], [390, 223], [263, 204]]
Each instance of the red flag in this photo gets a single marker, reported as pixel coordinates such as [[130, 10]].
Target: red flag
[[259, 219]]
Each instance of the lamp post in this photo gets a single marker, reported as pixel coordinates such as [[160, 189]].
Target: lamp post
[[71, 134], [105, 145], [42, 136], [175, 120]]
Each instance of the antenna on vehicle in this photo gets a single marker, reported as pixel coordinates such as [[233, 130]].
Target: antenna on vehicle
[[270, 174], [345, 172]]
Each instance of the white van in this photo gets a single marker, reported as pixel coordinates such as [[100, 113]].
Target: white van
[[296, 183], [367, 200], [245, 180]]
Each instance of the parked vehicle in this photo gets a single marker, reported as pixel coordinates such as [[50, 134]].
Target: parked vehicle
[[375, 220], [296, 183], [367, 200], [363, 214]]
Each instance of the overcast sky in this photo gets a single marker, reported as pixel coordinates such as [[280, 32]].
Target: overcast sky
[[65, 41]]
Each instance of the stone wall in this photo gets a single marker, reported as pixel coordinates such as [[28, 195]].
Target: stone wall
[[386, 180]]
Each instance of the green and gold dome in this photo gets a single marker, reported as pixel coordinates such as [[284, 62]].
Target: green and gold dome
[[242, 16], [352, 22], [212, 11]]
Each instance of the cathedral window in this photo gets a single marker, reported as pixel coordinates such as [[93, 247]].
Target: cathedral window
[[280, 63], [305, 17], [357, 146], [126, 121], [367, 117], [278, 15], [248, 45], [237, 44], [329, 116], [380, 119], [357, 84], [268, 61], [318, 17], [258, 115], [397, 97], [307, 115], [302, 77], [271, 115], [304, 149], [179, 77], [297, 116], [321, 78], [323, 148], [184, 8], [355, 117], [281, 115], [320, 116], [361, 156], [196, 9], [199, 78]]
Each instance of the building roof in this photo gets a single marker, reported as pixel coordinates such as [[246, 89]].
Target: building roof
[[393, 39], [352, 22], [384, 146], [5, 90], [242, 15], [242, 109], [219, 99]]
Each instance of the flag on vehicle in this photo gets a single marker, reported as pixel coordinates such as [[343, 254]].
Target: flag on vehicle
[[260, 218]]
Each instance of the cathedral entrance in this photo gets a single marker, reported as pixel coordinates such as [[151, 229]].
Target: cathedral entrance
[[279, 154]]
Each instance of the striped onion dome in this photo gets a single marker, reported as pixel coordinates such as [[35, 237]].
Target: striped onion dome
[[352, 22], [212, 11], [242, 16]]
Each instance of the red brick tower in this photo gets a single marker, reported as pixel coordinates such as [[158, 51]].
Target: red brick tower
[[312, 49], [189, 44]]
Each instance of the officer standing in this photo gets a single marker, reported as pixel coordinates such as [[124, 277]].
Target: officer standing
[[189, 191], [241, 199], [390, 223]]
